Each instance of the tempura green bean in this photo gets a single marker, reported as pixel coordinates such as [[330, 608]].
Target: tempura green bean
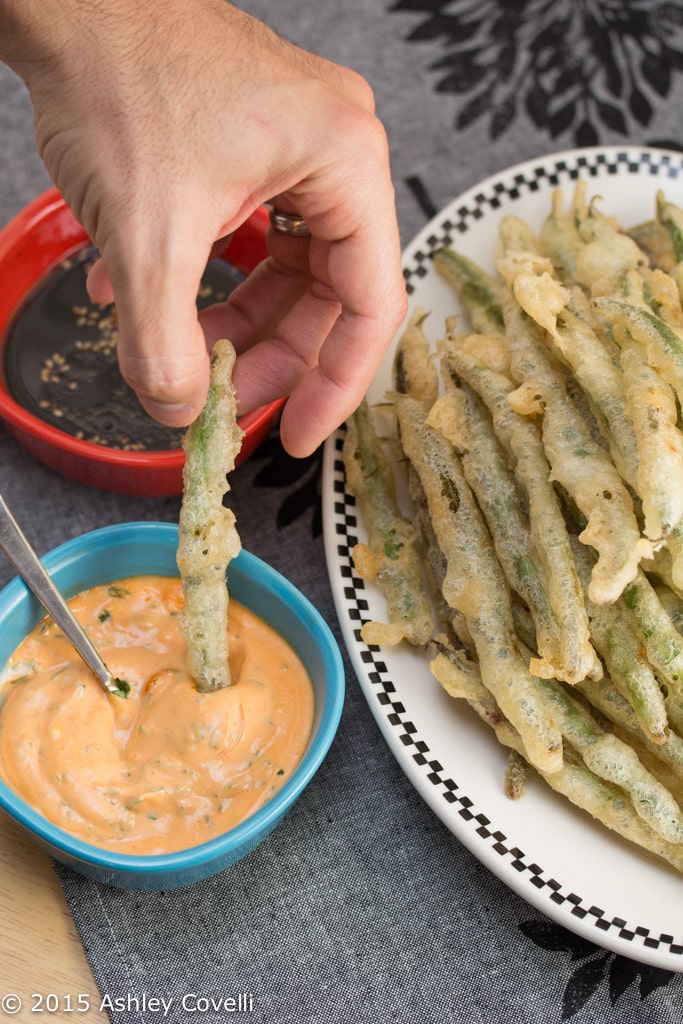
[[604, 800], [414, 371], [660, 640], [613, 760], [652, 409], [479, 292], [522, 440], [391, 555], [576, 461], [602, 381], [663, 342], [670, 216], [207, 537], [464, 420], [624, 657], [475, 584]]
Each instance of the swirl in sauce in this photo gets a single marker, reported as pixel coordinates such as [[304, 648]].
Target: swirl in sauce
[[168, 767]]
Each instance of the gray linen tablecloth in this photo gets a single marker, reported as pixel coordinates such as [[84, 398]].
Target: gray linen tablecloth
[[362, 906]]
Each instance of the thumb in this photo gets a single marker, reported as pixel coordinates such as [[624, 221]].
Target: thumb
[[161, 347]]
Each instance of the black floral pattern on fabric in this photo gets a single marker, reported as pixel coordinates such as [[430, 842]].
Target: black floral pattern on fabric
[[300, 479], [594, 968], [575, 68]]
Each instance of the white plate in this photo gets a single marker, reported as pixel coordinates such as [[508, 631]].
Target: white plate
[[555, 857]]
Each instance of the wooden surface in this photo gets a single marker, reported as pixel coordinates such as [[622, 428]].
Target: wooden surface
[[41, 957]]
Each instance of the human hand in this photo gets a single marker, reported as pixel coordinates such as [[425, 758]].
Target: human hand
[[164, 129]]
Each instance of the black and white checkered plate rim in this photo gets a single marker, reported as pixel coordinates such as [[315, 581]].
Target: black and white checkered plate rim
[[529, 177]]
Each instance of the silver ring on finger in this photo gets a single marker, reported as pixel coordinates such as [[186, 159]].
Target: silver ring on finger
[[289, 223]]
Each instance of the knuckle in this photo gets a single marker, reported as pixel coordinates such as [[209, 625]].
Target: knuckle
[[359, 90], [371, 140], [170, 381]]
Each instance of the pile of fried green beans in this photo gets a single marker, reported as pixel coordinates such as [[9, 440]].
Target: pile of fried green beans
[[540, 565]]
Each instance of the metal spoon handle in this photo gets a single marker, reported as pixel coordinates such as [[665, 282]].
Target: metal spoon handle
[[24, 559]]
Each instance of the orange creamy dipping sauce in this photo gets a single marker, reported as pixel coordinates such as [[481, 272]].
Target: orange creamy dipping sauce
[[167, 767]]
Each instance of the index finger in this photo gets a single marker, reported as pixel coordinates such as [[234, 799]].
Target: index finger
[[161, 347]]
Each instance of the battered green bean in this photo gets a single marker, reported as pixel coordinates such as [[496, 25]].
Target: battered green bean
[[585, 246], [610, 702], [576, 461], [661, 237], [613, 760], [671, 602], [522, 440], [605, 801], [624, 658], [451, 621], [559, 237], [463, 419], [670, 216], [601, 379], [662, 562], [652, 409], [461, 679], [207, 537], [607, 253], [479, 292], [660, 640], [515, 234], [663, 341], [674, 545], [414, 372], [391, 555], [516, 774], [611, 806], [475, 584]]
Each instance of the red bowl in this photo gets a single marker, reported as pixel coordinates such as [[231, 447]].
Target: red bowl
[[31, 245]]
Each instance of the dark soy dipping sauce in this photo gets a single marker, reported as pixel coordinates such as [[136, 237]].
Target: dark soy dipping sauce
[[60, 359]]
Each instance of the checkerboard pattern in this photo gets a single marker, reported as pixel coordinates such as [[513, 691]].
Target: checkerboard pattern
[[459, 221]]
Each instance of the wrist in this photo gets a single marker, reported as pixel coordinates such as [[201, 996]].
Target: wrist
[[36, 33], [31, 30]]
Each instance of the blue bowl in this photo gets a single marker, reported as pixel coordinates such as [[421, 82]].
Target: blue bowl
[[137, 548]]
